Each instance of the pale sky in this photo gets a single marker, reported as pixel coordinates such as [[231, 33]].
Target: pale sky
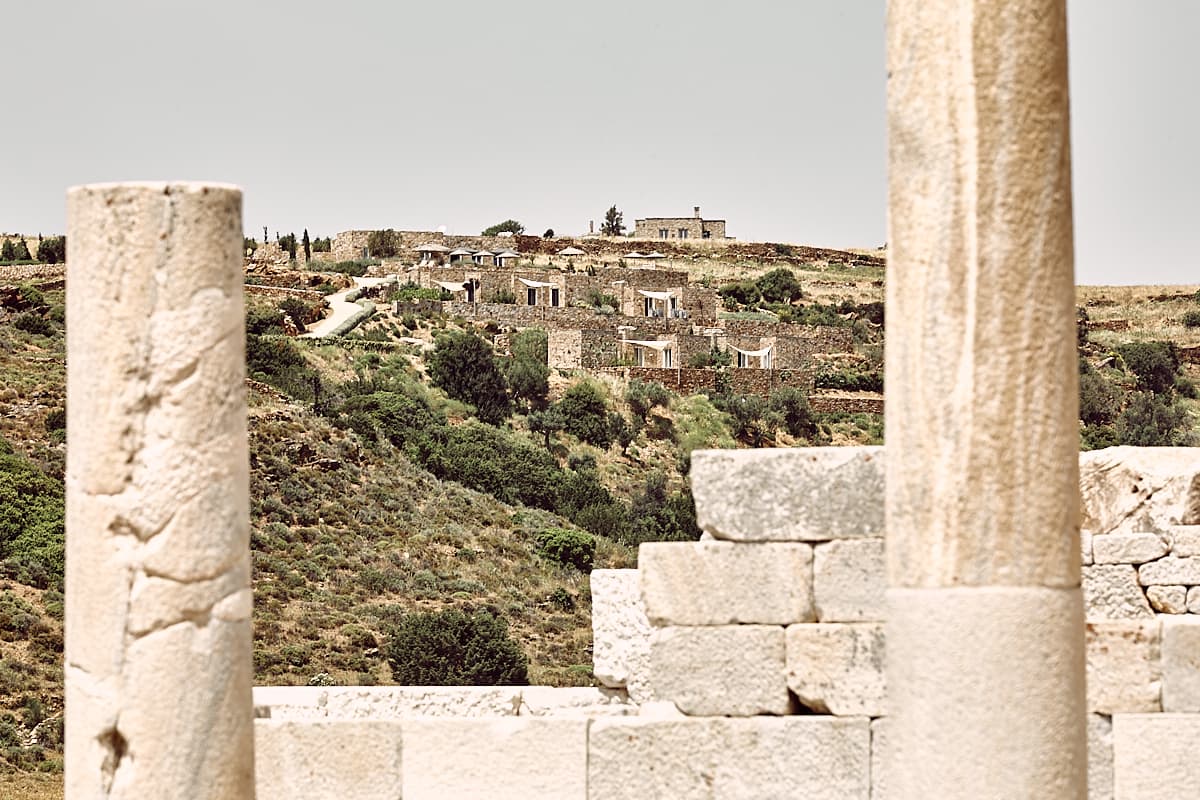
[[766, 113]]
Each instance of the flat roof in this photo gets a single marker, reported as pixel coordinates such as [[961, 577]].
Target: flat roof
[[672, 219]]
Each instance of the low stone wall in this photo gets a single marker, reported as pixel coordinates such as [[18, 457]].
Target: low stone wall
[[845, 404], [281, 291], [28, 273], [694, 380]]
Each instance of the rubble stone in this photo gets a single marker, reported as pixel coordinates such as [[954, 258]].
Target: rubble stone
[[1128, 548], [1167, 599], [1112, 592]]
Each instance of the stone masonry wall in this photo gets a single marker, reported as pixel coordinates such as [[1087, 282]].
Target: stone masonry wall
[[780, 608]]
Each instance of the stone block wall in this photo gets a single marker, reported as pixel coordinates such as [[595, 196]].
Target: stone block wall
[[787, 589]]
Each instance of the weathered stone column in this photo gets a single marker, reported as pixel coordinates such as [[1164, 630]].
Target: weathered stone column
[[985, 631], [158, 646]]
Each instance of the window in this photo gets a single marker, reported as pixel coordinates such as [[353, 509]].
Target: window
[[663, 233], [639, 356], [743, 359], [667, 357], [554, 297], [531, 296], [683, 233], [706, 234]]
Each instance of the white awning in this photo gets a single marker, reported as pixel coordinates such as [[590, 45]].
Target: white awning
[[656, 295], [483, 253], [432, 248], [508, 254], [462, 251], [570, 251], [452, 287], [536, 284], [656, 345], [634, 254], [655, 254], [754, 353]]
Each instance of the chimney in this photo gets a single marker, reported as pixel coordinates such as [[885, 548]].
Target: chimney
[[697, 208], [591, 226]]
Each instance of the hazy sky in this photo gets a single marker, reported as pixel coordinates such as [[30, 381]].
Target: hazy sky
[[766, 113]]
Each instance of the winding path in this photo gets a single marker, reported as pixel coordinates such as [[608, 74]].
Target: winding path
[[342, 309]]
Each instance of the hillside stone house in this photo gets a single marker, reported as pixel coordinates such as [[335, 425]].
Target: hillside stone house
[[693, 227]]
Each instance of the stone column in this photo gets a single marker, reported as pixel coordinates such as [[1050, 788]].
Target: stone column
[[985, 631], [158, 645]]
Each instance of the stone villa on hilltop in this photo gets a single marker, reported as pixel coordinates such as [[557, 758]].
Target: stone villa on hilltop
[[692, 227]]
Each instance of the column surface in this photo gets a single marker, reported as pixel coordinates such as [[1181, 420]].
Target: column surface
[[985, 624], [158, 646]]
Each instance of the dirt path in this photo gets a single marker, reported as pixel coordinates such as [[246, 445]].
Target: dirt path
[[342, 310]]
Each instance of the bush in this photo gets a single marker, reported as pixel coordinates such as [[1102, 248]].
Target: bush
[[779, 286], [411, 291], [1154, 364], [1099, 400], [31, 522], [1191, 319], [464, 367], [643, 397], [53, 250], [1150, 421], [504, 296], [34, 323], [586, 413], [570, 548], [792, 407], [280, 363], [383, 244], [527, 371], [715, 357], [508, 226], [453, 648], [738, 295]]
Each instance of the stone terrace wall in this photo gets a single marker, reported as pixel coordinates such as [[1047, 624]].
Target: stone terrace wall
[[31, 272], [846, 404], [349, 245], [693, 380]]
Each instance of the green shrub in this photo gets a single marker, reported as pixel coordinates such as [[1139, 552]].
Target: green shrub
[[1099, 400], [53, 250], [383, 244], [741, 294], [715, 357], [31, 523], [570, 548], [279, 362], [779, 286], [454, 648], [643, 397], [1151, 421], [792, 407], [527, 372], [1154, 364], [586, 413], [34, 323], [410, 291], [464, 367], [503, 296], [1191, 319]]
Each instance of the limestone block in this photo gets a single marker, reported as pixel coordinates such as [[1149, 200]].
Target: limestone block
[[1185, 540], [574, 701], [879, 758], [500, 759], [1167, 599], [326, 760], [724, 583], [620, 632], [1154, 756], [1128, 548], [1193, 600], [1170, 570], [1131, 489], [850, 580], [789, 494], [763, 758], [1112, 592], [838, 668], [1100, 757], [727, 670], [1085, 547], [974, 661], [1123, 670], [1181, 664]]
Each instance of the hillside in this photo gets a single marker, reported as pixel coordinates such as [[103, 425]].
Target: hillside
[[377, 495]]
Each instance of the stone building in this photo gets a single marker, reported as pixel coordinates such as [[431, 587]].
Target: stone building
[[693, 227]]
